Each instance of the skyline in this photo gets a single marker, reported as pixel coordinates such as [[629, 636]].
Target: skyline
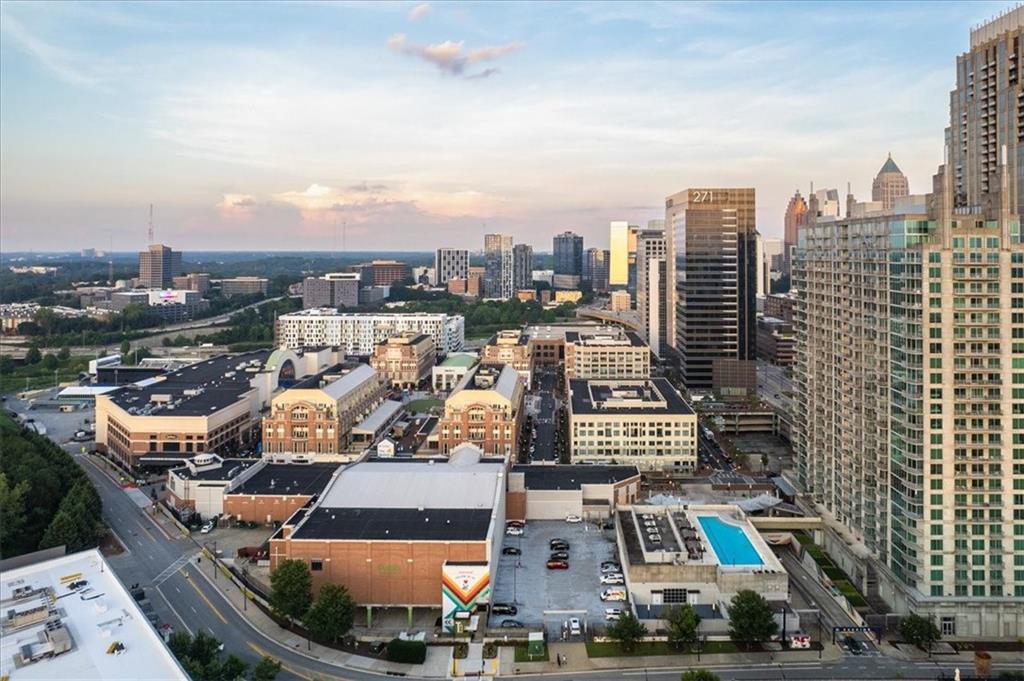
[[414, 123]]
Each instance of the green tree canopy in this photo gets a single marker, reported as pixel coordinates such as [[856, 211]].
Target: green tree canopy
[[683, 624], [699, 675], [627, 632], [266, 669], [751, 618], [918, 630], [33, 356], [291, 588], [332, 613]]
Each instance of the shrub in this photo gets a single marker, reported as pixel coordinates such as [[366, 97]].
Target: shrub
[[409, 652]]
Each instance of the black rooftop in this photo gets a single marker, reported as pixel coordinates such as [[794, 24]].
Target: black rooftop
[[573, 476], [216, 390], [289, 478], [653, 391], [398, 524]]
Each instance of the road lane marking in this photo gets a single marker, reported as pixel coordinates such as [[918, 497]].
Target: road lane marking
[[171, 569], [206, 600], [291, 670], [151, 537]]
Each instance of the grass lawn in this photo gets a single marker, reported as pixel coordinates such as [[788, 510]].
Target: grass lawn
[[804, 539], [35, 376], [423, 405], [521, 655], [851, 593]]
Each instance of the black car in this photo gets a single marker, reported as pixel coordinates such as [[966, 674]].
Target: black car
[[852, 645], [511, 624], [558, 545], [559, 555], [503, 609], [511, 551]]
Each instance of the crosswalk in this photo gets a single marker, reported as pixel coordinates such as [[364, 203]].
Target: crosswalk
[[172, 568]]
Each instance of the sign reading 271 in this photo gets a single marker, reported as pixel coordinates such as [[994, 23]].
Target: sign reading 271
[[702, 196]]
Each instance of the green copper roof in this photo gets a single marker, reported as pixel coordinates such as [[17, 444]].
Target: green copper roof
[[890, 166], [460, 360]]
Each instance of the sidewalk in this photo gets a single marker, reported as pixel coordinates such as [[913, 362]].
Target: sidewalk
[[576, 659], [437, 665]]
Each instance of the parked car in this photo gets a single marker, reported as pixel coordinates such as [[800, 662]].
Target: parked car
[[573, 518], [559, 555], [511, 551], [613, 594], [558, 545], [503, 609], [654, 538], [558, 565], [612, 614], [514, 523], [206, 528], [575, 627], [613, 578], [511, 624], [514, 531], [610, 567]]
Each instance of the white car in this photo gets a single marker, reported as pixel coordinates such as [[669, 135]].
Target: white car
[[575, 628], [612, 614], [613, 595], [613, 579], [514, 531], [573, 518], [206, 528], [655, 538], [611, 568]]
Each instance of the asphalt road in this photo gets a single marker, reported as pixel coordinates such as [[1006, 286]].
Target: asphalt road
[[545, 419]]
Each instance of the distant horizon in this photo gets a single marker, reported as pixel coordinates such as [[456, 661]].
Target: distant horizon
[[396, 125]]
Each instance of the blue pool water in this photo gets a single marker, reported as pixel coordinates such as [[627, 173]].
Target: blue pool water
[[730, 543]]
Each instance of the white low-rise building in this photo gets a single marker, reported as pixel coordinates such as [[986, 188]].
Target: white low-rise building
[[359, 333]]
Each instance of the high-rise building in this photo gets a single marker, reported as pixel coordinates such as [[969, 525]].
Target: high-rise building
[[595, 269], [498, 263], [713, 252], [334, 289], [889, 184], [652, 286], [522, 266], [158, 266], [796, 214], [450, 263], [568, 258], [771, 264], [986, 115], [618, 265], [631, 236], [358, 333], [907, 384], [384, 272]]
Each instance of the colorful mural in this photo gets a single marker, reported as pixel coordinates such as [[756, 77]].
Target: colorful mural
[[463, 585]]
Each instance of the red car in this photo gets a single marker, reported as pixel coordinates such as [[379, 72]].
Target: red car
[[558, 565]]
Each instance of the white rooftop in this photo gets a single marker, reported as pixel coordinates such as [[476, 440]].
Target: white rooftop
[[96, 616], [378, 417], [461, 482]]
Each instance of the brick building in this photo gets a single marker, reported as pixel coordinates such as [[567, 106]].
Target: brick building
[[485, 409], [403, 361], [510, 347]]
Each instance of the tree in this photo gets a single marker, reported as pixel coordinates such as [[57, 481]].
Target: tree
[[627, 632], [291, 588], [266, 669], [50, 361], [683, 623], [6, 364], [126, 346], [332, 614], [12, 512], [64, 354], [699, 675], [233, 668], [751, 618], [33, 356], [918, 630]]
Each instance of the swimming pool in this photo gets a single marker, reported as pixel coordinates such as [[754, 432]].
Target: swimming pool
[[730, 543]]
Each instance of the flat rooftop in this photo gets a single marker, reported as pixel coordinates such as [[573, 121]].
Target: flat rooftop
[[573, 477], [620, 396], [96, 616], [289, 479], [460, 359], [198, 389], [606, 337], [228, 469], [406, 524]]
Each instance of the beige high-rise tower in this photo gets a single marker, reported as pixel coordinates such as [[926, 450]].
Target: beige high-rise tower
[[909, 394], [890, 184]]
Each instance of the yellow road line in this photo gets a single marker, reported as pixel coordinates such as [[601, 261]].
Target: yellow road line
[[291, 670], [203, 596]]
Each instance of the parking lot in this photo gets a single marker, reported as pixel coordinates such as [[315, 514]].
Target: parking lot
[[526, 582]]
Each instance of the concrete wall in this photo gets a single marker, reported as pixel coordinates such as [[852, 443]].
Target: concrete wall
[[263, 508], [553, 504]]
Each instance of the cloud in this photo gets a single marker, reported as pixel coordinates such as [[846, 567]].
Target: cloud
[[450, 57], [419, 11], [63, 63]]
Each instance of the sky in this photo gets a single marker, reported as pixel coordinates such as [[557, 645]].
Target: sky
[[410, 126]]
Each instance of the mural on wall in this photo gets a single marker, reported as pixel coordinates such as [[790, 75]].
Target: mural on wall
[[463, 585]]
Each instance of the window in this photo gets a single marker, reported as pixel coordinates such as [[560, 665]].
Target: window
[[948, 626], [316, 564], [674, 596]]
